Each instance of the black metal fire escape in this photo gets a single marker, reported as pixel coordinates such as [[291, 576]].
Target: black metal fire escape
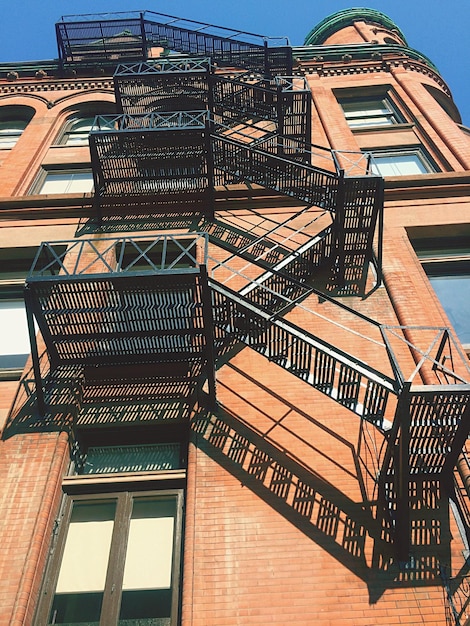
[[243, 129], [230, 111]]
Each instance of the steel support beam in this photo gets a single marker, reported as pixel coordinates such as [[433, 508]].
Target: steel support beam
[[402, 458], [34, 353], [209, 335]]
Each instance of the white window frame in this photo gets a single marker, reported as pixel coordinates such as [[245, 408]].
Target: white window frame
[[73, 181], [76, 131], [400, 162], [15, 264], [14, 335], [370, 111], [10, 132]]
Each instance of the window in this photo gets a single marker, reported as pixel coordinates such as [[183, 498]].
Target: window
[[138, 458], [446, 261], [374, 111], [452, 286], [13, 121], [119, 560], [72, 181], [10, 132], [77, 130], [407, 162], [15, 264], [116, 561], [14, 335]]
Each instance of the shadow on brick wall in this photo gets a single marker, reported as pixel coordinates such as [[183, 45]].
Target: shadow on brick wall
[[357, 534]]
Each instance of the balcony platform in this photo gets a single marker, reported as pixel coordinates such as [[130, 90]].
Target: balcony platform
[[122, 304], [179, 84], [152, 155]]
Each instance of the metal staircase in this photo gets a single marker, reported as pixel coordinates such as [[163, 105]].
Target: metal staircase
[[185, 127], [429, 431], [184, 83], [345, 379]]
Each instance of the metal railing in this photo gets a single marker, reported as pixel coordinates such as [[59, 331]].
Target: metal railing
[[123, 255], [168, 120], [345, 379], [164, 65], [82, 38]]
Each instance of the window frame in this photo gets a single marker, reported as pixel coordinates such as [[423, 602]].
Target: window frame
[[124, 498], [389, 111], [445, 256], [429, 167], [68, 131], [14, 132], [42, 179], [18, 260], [14, 114], [12, 292]]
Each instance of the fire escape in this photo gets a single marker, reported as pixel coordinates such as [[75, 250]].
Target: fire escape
[[224, 108]]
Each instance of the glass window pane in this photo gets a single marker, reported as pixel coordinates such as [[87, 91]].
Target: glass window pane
[[371, 112], [55, 183], [67, 182], [398, 164], [369, 121], [77, 139], [147, 580], [80, 182], [78, 131], [361, 109], [82, 125], [454, 293], [84, 565], [10, 132], [15, 126], [14, 336]]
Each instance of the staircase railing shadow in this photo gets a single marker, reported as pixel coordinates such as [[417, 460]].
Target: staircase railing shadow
[[352, 532]]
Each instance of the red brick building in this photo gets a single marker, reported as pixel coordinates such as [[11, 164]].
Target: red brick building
[[234, 324]]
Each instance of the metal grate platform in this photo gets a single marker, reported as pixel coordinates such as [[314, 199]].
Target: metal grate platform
[[151, 155], [164, 85], [122, 302]]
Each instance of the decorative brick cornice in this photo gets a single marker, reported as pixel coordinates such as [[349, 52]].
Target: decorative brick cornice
[[348, 66], [26, 87], [344, 69], [413, 66]]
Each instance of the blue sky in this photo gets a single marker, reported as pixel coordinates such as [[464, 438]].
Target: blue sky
[[438, 29]]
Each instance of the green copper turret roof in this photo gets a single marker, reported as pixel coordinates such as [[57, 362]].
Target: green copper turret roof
[[339, 20]]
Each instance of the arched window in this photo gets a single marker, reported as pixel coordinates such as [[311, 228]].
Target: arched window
[[77, 127], [76, 131], [13, 121]]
